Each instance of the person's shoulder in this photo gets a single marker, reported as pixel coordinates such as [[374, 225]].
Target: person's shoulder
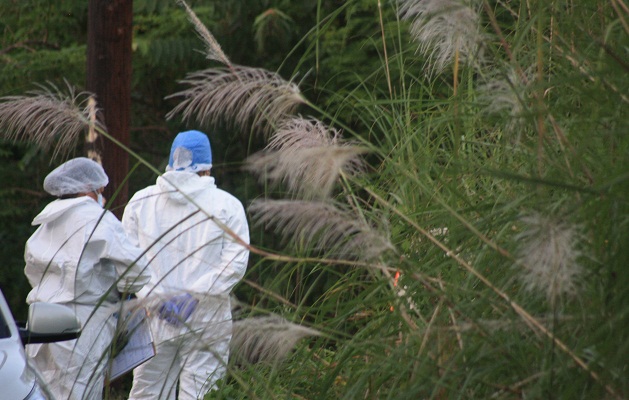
[[89, 213], [110, 218], [85, 206], [218, 192], [144, 193]]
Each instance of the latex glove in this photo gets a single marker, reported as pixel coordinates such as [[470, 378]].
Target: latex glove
[[177, 310]]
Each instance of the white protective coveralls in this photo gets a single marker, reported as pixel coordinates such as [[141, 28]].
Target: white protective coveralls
[[80, 257], [188, 252]]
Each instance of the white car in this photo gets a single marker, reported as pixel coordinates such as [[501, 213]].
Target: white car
[[46, 323]]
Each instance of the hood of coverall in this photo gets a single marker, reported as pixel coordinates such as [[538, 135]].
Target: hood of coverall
[[57, 208], [182, 186]]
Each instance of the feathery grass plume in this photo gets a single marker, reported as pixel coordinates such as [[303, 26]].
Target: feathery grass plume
[[237, 97], [548, 256], [213, 49], [508, 93], [321, 226], [447, 31], [265, 339], [47, 117], [306, 156], [309, 172], [302, 132]]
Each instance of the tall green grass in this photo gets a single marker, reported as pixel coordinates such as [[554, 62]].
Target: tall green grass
[[497, 170], [452, 223]]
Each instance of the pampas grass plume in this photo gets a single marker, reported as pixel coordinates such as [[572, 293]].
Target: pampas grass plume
[[548, 257], [444, 30], [302, 132], [321, 226], [307, 157], [237, 97], [48, 117], [213, 48], [265, 339], [508, 95]]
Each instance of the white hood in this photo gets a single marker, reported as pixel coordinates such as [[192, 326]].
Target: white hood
[[57, 208], [181, 186]]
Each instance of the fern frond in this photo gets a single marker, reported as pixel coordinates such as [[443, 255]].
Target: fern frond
[[47, 117], [321, 226], [238, 97]]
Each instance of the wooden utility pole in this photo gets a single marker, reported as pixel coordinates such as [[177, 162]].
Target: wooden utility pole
[[109, 77]]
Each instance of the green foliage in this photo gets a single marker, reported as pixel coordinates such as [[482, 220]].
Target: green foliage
[[462, 165], [272, 26], [20, 197], [452, 178]]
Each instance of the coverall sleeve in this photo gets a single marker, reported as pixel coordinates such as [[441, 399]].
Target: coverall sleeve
[[232, 264], [128, 259]]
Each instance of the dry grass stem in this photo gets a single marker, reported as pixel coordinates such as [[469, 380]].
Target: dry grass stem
[[239, 97], [213, 48], [445, 30], [266, 339], [46, 117], [529, 319], [92, 133], [496, 325], [573, 57], [321, 227]]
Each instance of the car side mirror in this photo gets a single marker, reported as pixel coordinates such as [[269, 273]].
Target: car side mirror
[[48, 323]]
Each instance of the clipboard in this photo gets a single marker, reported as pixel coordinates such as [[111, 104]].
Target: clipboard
[[137, 344]]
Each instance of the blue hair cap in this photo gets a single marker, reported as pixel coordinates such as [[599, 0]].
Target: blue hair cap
[[190, 152]]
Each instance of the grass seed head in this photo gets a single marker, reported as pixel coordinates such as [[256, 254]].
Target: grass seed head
[[444, 30], [48, 117], [241, 97], [548, 257]]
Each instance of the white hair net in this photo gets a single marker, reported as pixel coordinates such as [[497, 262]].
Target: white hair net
[[79, 175]]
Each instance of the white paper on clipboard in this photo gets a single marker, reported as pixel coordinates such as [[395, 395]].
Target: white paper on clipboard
[[139, 347]]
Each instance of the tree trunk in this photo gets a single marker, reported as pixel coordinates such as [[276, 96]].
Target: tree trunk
[[109, 78]]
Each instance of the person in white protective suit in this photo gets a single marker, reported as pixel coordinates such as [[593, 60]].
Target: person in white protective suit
[[196, 237], [80, 257]]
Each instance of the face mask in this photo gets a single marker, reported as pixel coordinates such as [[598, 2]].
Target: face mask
[[99, 200]]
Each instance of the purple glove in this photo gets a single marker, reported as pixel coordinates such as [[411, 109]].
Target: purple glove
[[178, 309]]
